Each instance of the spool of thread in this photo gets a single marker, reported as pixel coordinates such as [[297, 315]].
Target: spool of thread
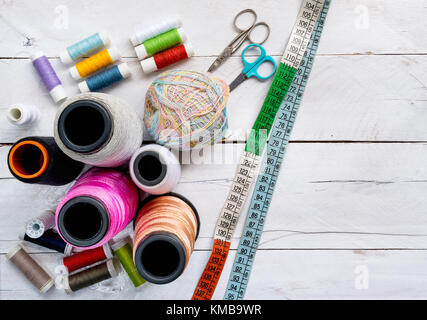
[[37, 226], [98, 129], [20, 114], [49, 239], [166, 229], [49, 77], [166, 58], [143, 33], [155, 169], [30, 268], [162, 42], [39, 160], [94, 63], [91, 276], [123, 251], [101, 203], [105, 78], [87, 257], [179, 122], [85, 47]]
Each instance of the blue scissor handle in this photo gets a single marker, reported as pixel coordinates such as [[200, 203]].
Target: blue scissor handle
[[251, 68]]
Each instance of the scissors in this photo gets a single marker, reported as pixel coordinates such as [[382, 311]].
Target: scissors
[[251, 68], [240, 38]]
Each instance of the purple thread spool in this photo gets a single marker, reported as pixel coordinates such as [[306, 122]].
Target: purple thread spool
[[49, 77]]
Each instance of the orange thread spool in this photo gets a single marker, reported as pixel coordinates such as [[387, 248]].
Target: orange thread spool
[[166, 229]]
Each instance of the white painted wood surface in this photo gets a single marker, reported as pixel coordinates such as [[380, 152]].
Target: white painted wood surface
[[350, 201]]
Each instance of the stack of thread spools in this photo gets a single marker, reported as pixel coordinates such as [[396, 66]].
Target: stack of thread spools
[[127, 183], [99, 68], [161, 44]]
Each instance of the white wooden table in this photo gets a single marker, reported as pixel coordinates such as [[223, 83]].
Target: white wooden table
[[349, 215]]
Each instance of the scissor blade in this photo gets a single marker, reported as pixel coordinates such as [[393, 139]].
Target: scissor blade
[[240, 78], [214, 65]]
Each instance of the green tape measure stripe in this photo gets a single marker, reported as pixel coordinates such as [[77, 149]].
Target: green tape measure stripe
[[270, 168], [249, 162]]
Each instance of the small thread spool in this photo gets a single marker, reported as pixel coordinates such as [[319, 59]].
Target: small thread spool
[[37, 226], [166, 229], [84, 47], [162, 42], [143, 33], [155, 169], [91, 276], [98, 129], [123, 251], [100, 204], [30, 268], [94, 63], [87, 257], [166, 58], [49, 77], [105, 78], [39, 160], [50, 240], [21, 115]]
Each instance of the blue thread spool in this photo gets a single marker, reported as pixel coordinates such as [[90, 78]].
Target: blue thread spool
[[105, 78], [84, 47]]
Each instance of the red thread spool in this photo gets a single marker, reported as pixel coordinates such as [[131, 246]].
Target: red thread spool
[[87, 257], [167, 57]]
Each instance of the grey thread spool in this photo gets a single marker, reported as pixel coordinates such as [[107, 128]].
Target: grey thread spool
[[37, 226], [30, 268], [83, 279], [98, 129]]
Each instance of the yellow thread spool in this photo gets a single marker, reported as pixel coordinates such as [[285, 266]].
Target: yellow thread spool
[[94, 63]]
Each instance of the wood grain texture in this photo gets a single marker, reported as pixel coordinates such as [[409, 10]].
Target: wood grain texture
[[351, 193]]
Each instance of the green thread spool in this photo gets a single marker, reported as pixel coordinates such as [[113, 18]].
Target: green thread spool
[[162, 42], [123, 251]]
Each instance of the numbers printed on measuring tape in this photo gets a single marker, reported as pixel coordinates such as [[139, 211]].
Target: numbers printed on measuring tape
[[254, 148], [266, 181]]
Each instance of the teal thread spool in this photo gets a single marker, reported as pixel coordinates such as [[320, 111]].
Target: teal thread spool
[[105, 78], [123, 251], [162, 42], [84, 47]]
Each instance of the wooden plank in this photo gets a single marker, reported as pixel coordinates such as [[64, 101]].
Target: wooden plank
[[277, 274], [362, 98], [328, 196], [353, 26]]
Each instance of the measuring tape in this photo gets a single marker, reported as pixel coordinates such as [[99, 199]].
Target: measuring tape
[[250, 160], [270, 168]]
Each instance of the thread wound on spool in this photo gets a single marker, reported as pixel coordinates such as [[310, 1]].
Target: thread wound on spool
[[99, 205], [20, 114], [30, 268], [81, 127], [48, 76], [94, 63], [49, 239], [84, 47], [86, 258], [162, 42], [39, 160], [186, 109], [37, 226], [155, 169], [143, 33], [165, 232], [105, 78], [123, 251], [93, 275]]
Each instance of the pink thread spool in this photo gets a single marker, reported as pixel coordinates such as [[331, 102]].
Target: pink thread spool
[[101, 203]]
